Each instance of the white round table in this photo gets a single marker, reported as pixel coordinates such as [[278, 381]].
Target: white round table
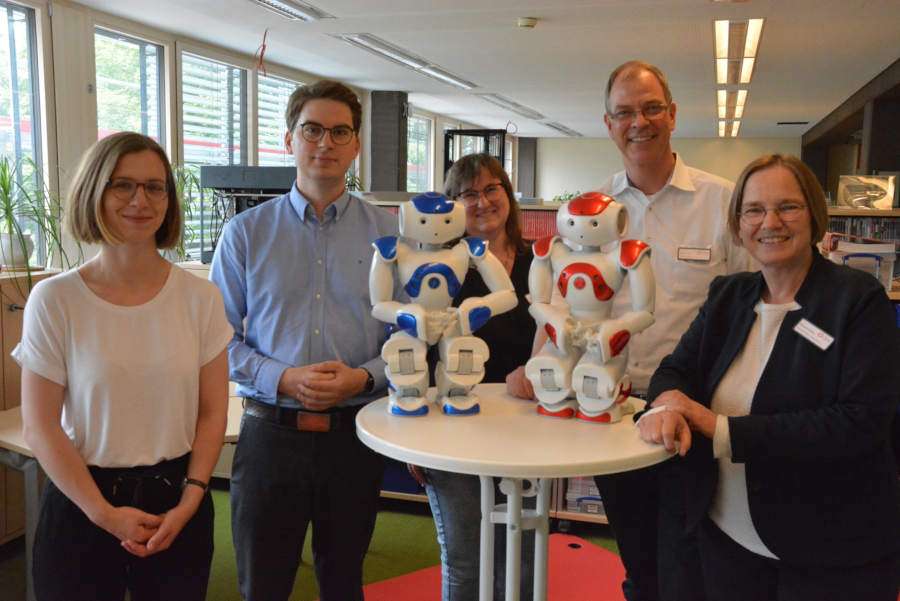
[[508, 439]]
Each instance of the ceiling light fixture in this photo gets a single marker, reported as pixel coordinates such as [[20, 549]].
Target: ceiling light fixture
[[736, 46], [294, 10], [722, 129], [512, 105], [735, 126], [563, 129], [385, 49]]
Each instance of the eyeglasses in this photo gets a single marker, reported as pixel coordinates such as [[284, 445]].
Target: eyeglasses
[[786, 211], [125, 189], [649, 111], [491, 192], [340, 134]]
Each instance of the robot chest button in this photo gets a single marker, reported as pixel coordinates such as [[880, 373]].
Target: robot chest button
[[434, 282], [578, 283]]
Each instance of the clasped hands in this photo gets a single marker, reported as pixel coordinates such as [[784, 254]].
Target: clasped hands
[[320, 386], [674, 425], [144, 534]]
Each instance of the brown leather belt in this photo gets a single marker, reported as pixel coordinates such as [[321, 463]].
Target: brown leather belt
[[339, 419]]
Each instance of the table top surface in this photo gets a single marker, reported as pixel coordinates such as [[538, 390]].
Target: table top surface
[[507, 438]]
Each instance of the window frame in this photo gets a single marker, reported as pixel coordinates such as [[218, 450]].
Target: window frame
[[429, 159]]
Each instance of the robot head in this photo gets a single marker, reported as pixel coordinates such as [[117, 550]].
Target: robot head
[[592, 219], [431, 218]]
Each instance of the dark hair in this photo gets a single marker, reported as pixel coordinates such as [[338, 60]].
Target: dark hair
[[466, 170], [812, 192], [328, 90], [630, 68], [85, 200]]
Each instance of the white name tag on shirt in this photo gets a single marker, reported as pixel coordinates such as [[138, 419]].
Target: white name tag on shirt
[[814, 334], [688, 253]]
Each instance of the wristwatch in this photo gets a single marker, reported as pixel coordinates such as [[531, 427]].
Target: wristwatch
[[370, 382], [195, 482]]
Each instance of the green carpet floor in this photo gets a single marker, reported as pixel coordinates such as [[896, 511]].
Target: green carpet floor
[[404, 541]]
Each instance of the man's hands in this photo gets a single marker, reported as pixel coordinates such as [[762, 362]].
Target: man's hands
[[518, 385], [320, 386]]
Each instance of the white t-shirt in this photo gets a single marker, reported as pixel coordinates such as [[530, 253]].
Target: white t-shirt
[[131, 374], [687, 218]]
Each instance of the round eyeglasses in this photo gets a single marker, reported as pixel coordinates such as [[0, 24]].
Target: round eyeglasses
[[125, 189], [491, 193], [786, 211], [649, 111], [313, 132]]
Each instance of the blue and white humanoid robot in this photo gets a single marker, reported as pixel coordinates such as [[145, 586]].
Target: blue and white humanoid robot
[[432, 275]]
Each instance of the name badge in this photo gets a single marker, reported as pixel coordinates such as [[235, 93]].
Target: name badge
[[814, 334], [687, 253]]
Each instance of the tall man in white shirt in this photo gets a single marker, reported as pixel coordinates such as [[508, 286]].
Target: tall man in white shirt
[[682, 213]]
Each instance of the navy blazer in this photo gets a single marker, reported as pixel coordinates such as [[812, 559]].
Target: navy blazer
[[821, 476]]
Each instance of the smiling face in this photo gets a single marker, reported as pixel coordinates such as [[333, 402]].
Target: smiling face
[[323, 161], [135, 220], [774, 243], [487, 216], [642, 141]]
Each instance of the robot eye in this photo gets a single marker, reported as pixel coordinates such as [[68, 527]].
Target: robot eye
[[594, 222], [571, 222], [423, 221]]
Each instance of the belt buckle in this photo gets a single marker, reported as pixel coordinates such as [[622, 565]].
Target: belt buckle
[[313, 422]]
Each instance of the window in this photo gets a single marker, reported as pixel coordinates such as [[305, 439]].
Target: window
[[418, 154], [508, 159], [19, 119], [214, 130], [130, 87], [272, 98]]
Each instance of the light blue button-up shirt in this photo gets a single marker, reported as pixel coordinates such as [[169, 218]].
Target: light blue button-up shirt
[[297, 290]]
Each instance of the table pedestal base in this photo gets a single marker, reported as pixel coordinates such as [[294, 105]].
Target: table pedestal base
[[516, 519]]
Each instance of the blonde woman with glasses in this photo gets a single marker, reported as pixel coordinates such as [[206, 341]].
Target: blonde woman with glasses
[[124, 392]]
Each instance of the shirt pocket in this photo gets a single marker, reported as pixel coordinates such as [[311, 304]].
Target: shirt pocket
[[684, 276]]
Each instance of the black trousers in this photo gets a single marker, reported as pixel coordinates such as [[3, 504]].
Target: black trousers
[[74, 560], [646, 511], [735, 574], [282, 479]]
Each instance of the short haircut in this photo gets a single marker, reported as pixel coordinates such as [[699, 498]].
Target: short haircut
[[85, 199], [327, 90], [631, 68], [809, 185], [466, 170]]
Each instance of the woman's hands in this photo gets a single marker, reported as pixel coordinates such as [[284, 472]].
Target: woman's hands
[[171, 524], [681, 414]]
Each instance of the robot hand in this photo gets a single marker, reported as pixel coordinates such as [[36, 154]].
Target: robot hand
[[557, 323], [413, 319], [608, 339], [472, 314]]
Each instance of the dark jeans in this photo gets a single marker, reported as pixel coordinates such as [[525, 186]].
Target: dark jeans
[[456, 505], [74, 560], [735, 574], [646, 511], [283, 479]]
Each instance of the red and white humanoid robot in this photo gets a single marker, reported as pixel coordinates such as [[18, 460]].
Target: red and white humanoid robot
[[582, 365]]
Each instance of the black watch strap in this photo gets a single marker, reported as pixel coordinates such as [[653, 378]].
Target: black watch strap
[[195, 482], [370, 382]]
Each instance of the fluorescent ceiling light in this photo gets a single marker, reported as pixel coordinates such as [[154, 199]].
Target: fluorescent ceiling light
[[294, 10], [385, 49], [722, 111], [739, 111], [747, 69], [721, 97], [446, 77], [754, 31], [512, 105], [721, 39], [735, 126], [721, 129], [721, 70], [741, 98], [562, 129]]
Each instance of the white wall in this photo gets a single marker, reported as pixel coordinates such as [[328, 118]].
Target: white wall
[[581, 164]]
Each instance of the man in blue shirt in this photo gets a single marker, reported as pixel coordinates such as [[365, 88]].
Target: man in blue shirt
[[305, 355]]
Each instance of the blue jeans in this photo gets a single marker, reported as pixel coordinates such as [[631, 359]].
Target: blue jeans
[[456, 505]]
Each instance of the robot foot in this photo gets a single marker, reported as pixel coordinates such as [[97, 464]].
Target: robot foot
[[408, 406], [460, 405], [563, 409], [610, 416]]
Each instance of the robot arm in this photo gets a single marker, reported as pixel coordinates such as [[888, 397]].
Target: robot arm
[[555, 320], [408, 317], [475, 311], [634, 259]]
